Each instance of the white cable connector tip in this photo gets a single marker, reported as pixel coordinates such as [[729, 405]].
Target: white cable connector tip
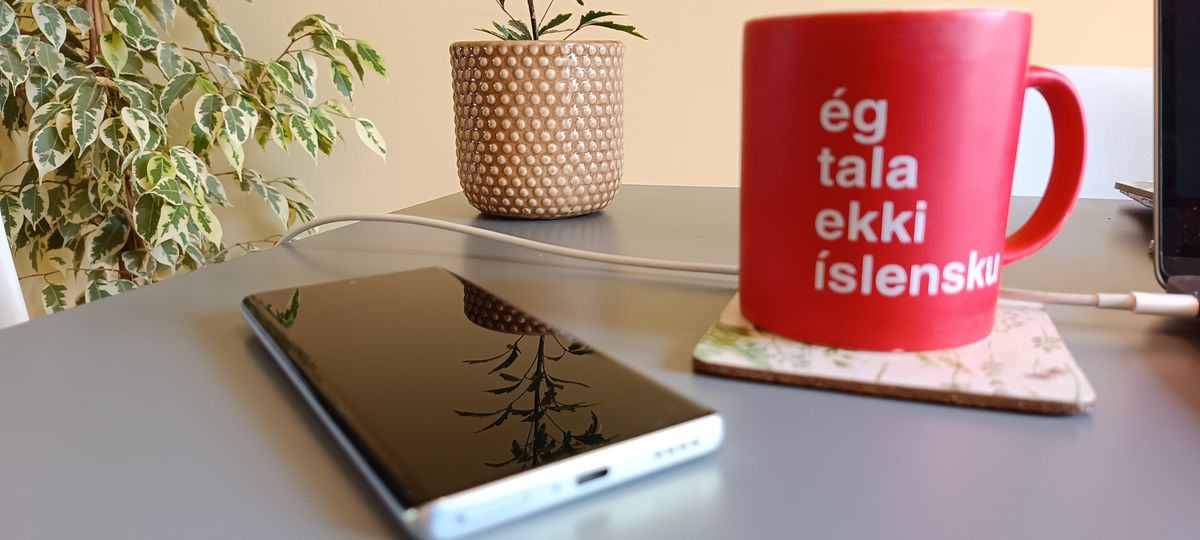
[[1177, 305]]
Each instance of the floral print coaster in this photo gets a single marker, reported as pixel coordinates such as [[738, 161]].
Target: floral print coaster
[[1023, 365]]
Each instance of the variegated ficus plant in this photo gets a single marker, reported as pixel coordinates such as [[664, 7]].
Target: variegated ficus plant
[[128, 140]]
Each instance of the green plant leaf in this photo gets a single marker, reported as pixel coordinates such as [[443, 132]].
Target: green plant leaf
[[341, 79], [214, 191], [351, 55], [278, 204], [628, 29], [336, 107], [8, 18], [522, 29], [170, 60], [127, 23], [370, 135], [54, 298], [371, 58], [229, 76], [107, 241], [281, 131], [49, 151], [171, 190], [323, 125], [299, 212], [172, 225], [206, 85], [198, 141], [303, 131], [161, 167], [39, 89], [139, 97], [34, 203], [189, 167], [44, 115], [162, 10], [87, 111], [56, 204], [281, 75], [176, 88], [49, 58], [113, 133], [306, 67], [13, 66], [146, 214], [79, 16], [227, 37], [594, 15], [10, 211], [555, 22], [209, 225], [236, 124], [114, 50], [139, 126], [51, 23], [207, 109], [232, 150]]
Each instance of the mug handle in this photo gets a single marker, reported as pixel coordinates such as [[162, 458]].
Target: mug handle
[[1066, 174]]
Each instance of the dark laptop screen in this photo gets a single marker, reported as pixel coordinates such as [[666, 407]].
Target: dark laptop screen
[[1179, 136]]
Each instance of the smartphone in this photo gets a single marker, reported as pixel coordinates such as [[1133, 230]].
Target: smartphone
[[463, 411], [1177, 145]]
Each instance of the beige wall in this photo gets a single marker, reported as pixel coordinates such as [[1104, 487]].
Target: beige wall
[[682, 86]]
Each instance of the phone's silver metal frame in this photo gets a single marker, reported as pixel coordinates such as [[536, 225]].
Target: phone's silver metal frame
[[526, 492], [1158, 168]]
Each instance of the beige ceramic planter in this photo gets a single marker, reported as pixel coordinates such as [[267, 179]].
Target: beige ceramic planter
[[539, 125]]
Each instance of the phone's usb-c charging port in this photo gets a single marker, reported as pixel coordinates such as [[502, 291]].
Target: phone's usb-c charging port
[[594, 475]]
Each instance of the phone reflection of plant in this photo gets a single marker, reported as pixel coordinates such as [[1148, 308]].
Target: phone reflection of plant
[[286, 319], [547, 439]]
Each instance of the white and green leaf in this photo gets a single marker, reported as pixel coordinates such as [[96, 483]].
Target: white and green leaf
[[371, 58], [51, 23], [237, 124], [227, 37], [302, 130], [371, 136], [113, 133], [341, 79], [13, 66], [34, 203], [177, 88], [277, 202], [8, 18], [87, 112], [81, 17], [54, 298], [208, 107], [190, 168], [39, 89], [106, 242], [49, 58], [49, 151], [306, 67], [12, 214], [233, 150], [147, 212], [214, 191], [170, 60], [139, 126]]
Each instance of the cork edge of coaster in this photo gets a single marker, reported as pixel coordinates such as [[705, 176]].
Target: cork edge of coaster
[[962, 399]]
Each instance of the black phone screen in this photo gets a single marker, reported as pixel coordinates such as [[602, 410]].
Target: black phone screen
[[442, 386], [1178, 190]]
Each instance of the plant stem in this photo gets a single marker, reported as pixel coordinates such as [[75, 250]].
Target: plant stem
[[546, 13], [217, 53], [533, 25], [52, 272], [93, 9]]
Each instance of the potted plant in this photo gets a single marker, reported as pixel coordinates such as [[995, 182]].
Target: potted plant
[[115, 189], [539, 122]]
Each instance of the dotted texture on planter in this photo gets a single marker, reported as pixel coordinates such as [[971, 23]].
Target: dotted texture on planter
[[539, 126]]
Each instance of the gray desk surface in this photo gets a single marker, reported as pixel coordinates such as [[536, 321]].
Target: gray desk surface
[[155, 414]]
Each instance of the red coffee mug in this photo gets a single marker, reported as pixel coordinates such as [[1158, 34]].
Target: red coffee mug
[[877, 166]]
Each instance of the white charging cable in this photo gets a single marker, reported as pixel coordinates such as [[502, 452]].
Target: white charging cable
[[1179, 305]]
